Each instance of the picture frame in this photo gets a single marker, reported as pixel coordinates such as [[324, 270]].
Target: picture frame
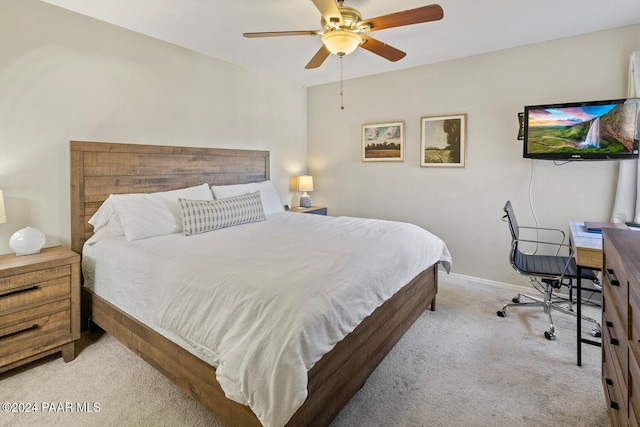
[[382, 142], [521, 126], [443, 141]]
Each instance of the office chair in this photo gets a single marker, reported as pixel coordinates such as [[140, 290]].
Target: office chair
[[547, 273]]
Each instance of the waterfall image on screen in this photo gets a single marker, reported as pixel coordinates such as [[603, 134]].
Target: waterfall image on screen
[[581, 130]]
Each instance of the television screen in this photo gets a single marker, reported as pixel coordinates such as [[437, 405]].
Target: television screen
[[596, 130]]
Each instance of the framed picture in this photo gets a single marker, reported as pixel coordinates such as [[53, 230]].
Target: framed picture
[[383, 142], [442, 141]]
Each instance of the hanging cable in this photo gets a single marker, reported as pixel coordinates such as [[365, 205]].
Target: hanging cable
[[341, 55], [533, 211]]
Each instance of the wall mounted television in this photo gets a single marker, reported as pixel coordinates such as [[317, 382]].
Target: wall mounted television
[[595, 130]]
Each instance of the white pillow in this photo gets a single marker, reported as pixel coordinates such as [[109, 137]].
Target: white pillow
[[113, 228], [106, 223], [102, 216], [155, 214], [270, 199], [200, 216]]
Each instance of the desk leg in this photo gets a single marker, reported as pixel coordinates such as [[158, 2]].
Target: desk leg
[[579, 314]]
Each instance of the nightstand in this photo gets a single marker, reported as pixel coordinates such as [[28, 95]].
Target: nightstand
[[317, 210], [39, 306]]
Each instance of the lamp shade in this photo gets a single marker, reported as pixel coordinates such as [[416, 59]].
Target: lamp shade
[[341, 42], [305, 183], [3, 213]]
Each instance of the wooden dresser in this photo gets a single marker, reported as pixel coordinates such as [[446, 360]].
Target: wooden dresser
[[39, 306], [621, 326]]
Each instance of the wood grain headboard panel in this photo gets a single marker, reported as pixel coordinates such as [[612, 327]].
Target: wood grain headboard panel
[[99, 169]]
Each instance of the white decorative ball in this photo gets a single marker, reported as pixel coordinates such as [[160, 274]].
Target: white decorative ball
[[27, 241]]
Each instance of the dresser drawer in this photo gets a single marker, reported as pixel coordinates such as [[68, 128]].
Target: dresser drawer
[[634, 315], [616, 281], [614, 391], [614, 336], [33, 293], [634, 387]]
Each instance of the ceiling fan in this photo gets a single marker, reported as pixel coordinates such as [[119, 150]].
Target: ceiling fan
[[343, 30]]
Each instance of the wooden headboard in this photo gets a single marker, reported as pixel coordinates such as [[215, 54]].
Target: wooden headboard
[[99, 169]]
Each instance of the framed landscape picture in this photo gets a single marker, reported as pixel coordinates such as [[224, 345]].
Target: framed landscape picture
[[383, 142], [442, 141]]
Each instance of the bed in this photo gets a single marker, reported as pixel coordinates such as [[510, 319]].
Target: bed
[[99, 170]]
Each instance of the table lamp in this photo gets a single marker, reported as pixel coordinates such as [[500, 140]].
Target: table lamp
[[305, 183], [26, 241]]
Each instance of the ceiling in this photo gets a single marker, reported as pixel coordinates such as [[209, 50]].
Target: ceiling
[[469, 27]]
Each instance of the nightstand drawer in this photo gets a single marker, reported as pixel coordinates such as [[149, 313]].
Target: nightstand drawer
[[33, 335], [33, 293], [12, 283], [41, 310], [321, 211], [316, 210]]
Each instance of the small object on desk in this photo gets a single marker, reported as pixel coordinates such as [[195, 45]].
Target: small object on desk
[[596, 227], [581, 231], [633, 224]]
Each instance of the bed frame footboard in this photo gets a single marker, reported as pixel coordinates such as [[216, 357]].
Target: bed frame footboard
[[332, 381]]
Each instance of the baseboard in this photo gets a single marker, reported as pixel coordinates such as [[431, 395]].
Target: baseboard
[[597, 297], [456, 276]]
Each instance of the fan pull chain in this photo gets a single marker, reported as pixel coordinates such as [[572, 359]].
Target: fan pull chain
[[341, 86]]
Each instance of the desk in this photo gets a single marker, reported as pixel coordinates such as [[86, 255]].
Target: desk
[[588, 253]]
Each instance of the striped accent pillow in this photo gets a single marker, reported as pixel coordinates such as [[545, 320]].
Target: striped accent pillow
[[200, 216]]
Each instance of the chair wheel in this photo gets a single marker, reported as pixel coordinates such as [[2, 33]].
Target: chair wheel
[[515, 300], [548, 335], [501, 313]]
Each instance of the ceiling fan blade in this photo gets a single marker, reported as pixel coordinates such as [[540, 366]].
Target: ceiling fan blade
[[429, 13], [382, 49], [329, 10], [281, 33], [318, 58]]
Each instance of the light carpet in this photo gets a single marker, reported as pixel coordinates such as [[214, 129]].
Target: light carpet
[[458, 366]]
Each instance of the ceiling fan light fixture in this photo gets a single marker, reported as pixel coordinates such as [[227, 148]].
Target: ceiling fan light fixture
[[341, 42]]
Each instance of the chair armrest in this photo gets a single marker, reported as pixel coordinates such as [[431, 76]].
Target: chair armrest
[[542, 242], [557, 230]]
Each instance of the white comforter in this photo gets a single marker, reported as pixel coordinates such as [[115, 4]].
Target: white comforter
[[265, 301]]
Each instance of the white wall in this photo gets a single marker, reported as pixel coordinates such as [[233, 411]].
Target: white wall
[[464, 206], [67, 77]]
